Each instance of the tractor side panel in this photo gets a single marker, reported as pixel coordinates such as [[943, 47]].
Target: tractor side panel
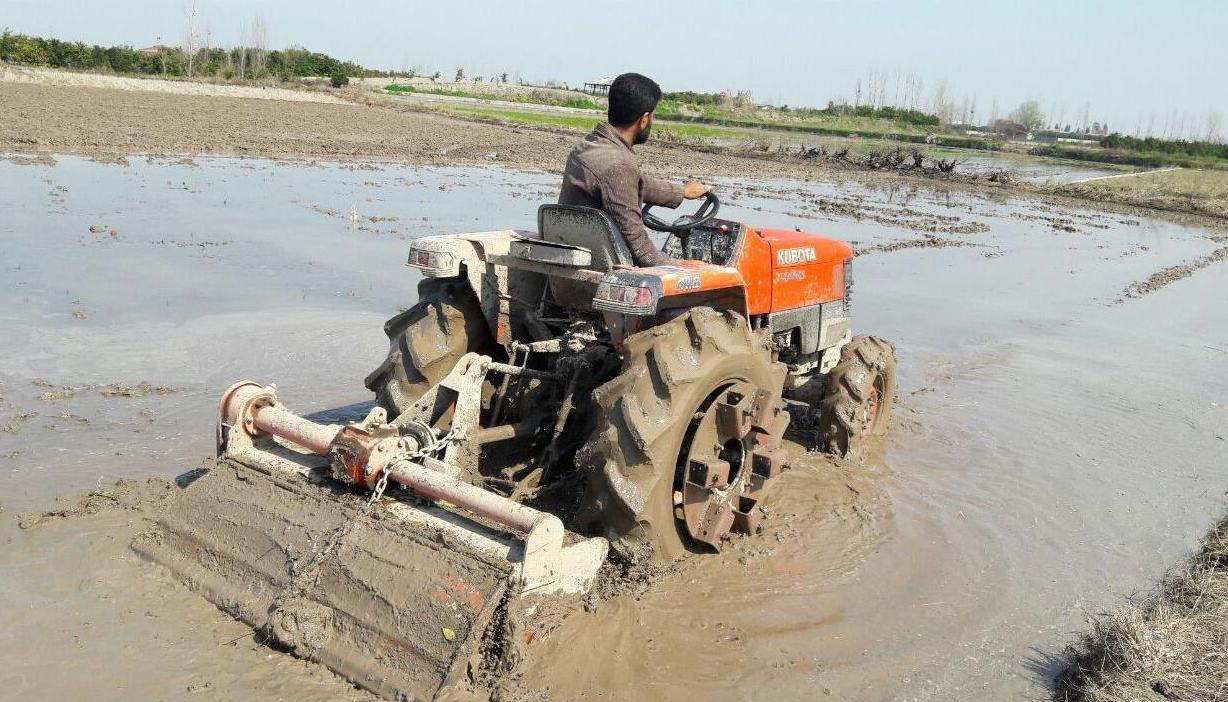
[[807, 269], [755, 262]]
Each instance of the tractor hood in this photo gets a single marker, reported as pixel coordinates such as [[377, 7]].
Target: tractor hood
[[792, 247]]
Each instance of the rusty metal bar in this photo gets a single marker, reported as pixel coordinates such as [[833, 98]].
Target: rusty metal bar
[[279, 421], [436, 486]]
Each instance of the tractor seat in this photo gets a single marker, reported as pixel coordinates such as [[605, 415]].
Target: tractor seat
[[587, 228]]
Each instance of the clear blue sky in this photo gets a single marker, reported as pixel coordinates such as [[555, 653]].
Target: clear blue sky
[[1129, 60]]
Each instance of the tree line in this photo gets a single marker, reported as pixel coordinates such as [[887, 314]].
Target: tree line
[[1178, 147], [236, 62]]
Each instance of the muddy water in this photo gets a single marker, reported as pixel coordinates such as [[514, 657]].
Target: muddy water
[[1053, 450]]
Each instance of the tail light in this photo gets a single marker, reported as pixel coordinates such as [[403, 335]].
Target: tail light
[[628, 293], [432, 263]]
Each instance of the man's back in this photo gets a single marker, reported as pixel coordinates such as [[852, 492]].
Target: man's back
[[602, 172]]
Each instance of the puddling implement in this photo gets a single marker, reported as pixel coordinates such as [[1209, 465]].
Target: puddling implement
[[390, 594], [541, 405]]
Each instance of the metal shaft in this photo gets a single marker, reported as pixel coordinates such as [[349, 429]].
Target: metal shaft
[[279, 421], [437, 486]]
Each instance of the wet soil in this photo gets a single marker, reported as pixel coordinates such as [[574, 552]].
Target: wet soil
[[110, 124], [1172, 274], [1052, 452]]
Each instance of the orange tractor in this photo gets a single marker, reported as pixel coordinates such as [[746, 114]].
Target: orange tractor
[[543, 402]]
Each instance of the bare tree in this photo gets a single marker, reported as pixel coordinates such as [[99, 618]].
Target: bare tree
[[1213, 125], [941, 107], [260, 42], [190, 34], [241, 53]]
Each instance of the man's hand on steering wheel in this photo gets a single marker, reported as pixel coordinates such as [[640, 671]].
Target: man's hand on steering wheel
[[693, 189], [706, 212]]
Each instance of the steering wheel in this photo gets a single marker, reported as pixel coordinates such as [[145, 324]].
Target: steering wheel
[[706, 213]]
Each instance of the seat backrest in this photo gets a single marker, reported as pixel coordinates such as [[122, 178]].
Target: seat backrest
[[587, 228]]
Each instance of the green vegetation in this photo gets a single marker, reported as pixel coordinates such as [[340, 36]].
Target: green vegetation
[[864, 129], [666, 128], [535, 97], [1029, 115], [249, 62], [1174, 147], [1154, 159], [580, 122], [688, 97], [338, 79], [1187, 183]]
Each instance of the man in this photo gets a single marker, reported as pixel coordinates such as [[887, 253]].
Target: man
[[602, 170]]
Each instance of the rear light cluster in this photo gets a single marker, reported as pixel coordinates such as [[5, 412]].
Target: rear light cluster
[[628, 293], [421, 259], [432, 263], [638, 296]]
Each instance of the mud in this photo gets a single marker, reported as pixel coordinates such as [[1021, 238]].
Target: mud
[[146, 499], [1172, 274], [1046, 459], [927, 242]]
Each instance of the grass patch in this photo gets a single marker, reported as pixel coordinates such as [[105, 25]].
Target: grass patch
[[1130, 158], [1172, 646], [1198, 184], [583, 122], [535, 97]]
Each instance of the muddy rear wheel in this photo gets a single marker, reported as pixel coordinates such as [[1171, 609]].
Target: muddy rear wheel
[[426, 341], [859, 397], [687, 436]]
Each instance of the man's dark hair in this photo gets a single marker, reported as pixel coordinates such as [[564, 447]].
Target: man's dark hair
[[631, 95]]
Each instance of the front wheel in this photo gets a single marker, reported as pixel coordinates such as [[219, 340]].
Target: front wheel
[[859, 397], [426, 341]]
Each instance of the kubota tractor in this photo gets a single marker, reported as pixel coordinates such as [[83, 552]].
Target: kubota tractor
[[543, 401]]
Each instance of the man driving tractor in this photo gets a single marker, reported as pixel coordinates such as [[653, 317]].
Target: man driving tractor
[[602, 171]]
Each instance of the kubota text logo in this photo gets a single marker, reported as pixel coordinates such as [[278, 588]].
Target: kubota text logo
[[792, 257]]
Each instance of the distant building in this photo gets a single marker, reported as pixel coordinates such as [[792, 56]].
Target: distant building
[[599, 87], [155, 49]]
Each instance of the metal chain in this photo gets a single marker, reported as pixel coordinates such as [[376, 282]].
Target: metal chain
[[382, 484]]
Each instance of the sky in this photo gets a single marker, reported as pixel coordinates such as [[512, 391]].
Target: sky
[[1127, 62]]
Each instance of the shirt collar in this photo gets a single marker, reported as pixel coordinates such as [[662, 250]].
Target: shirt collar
[[606, 130]]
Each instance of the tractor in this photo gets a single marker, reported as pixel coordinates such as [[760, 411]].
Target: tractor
[[544, 403]]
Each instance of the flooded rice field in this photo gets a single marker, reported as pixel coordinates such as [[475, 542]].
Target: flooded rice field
[[1057, 443]]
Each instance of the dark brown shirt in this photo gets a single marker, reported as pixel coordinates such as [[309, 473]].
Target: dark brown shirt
[[602, 172]]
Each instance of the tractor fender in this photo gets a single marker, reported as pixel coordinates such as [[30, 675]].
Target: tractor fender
[[471, 256]]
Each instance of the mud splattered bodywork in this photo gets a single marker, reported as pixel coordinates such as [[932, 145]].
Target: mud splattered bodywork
[[540, 384]]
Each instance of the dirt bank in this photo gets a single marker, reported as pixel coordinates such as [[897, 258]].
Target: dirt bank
[[1169, 646], [48, 77], [109, 122]]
